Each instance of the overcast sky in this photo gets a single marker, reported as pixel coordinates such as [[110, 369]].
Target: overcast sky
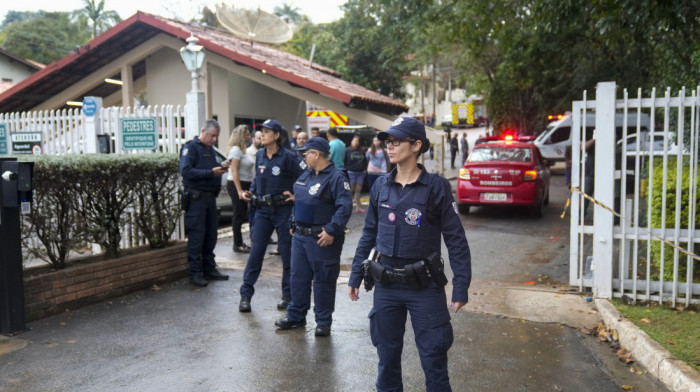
[[318, 11]]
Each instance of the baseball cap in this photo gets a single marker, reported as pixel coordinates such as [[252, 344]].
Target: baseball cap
[[318, 144], [406, 128], [296, 127], [273, 124]]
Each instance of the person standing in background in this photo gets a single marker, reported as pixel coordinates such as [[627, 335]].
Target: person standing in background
[[454, 148], [378, 161], [239, 179], [356, 164], [337, 149], [271, 197], [302, 138], [464, 145], [201, 169], [293, 140]]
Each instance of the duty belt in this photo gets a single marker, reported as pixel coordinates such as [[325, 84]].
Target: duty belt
[[269, 200], [309, 231], [197, 193]]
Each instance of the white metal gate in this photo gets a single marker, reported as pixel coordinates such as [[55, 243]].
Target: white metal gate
[[638, 237], [71, 132]]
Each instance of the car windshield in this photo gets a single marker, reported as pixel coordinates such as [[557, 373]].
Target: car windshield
[[498, 153]]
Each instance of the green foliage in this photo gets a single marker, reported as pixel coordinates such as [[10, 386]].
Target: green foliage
[[100, 18], [79, 198], [156, 205], [658, 191], [53, 218], [677, 330], [45, 38]]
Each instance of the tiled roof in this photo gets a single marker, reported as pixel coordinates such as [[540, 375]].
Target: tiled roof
[[133, 31]]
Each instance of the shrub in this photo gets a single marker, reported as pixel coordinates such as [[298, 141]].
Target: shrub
[[658, 189], [79, 198]]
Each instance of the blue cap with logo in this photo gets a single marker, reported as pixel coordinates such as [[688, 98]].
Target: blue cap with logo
[[318, 144], [274, 125], [407, 128]]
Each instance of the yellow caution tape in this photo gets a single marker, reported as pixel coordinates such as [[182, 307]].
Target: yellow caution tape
[[622, 218]]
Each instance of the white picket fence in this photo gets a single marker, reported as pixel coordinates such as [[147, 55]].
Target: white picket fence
[[640, 250], [68, 132]]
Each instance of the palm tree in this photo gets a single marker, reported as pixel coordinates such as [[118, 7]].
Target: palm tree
[[101, 19], [289, 13]]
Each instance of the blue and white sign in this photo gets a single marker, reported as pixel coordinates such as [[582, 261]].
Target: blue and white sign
[[3, 139], [89, 106]]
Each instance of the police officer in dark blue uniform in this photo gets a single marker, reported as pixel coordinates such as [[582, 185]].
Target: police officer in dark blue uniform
[[409, 210], [201, 171], [271, 196], [322, 208]]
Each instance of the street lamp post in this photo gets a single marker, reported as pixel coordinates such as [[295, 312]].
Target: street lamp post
[[193, 57]]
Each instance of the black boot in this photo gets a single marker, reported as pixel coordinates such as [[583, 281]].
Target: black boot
[[244, 305], [198, 280]]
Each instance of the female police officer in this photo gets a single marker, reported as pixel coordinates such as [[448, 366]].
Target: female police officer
[[270, 195], [322, 207], [409, 210]]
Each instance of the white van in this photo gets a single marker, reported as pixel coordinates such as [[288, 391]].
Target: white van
[[554, 140]]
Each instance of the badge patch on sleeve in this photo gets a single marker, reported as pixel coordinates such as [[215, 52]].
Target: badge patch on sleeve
[[346, 186], [185, 151], [454, 207], [302, 165]]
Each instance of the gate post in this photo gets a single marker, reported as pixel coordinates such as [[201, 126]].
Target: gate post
[[604, 189]]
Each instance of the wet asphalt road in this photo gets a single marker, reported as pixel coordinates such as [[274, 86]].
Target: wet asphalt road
[[179, 338]]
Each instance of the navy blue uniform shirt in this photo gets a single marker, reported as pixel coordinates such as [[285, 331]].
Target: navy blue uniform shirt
[[276, 175], [323, 199], [407, 222], [196, 164]]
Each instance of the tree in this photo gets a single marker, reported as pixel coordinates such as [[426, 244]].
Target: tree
[[101, 19], [45, 38], [289, 13]]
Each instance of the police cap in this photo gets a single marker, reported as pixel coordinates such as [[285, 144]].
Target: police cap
[[407, 128], [318, 144]]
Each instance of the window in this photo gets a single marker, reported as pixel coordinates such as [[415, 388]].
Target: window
[[495, 153], [560, 135]]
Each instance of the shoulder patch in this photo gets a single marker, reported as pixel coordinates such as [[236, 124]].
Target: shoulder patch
[[454, 207], [302, 165], [346, 185], [185, 151]]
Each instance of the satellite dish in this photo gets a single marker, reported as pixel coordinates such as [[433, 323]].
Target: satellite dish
[[254, 25]]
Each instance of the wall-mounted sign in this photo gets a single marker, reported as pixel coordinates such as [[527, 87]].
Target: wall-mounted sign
[[3, 139], [139, 133], [26, 142]]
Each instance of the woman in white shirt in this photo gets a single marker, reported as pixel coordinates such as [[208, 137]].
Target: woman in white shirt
[[239, 179]]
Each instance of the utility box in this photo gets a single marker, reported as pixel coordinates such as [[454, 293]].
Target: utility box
[[15, 198]]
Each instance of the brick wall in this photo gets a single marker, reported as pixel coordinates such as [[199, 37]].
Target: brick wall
[[80, 285]]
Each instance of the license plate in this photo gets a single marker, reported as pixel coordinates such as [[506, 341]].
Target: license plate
[[495, 196]]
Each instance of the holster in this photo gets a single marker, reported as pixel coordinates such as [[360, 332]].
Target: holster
[[184, 199], [436, 268], [367, 276]]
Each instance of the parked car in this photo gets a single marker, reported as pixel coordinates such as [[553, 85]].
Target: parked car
[[446, 120], [504, 172]]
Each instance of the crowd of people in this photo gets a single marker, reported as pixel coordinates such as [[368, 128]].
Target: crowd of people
[[305, 189]]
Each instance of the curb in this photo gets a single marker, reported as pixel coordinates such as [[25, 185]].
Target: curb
[[673, 373]]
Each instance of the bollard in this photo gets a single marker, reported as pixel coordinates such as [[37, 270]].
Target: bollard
[[15, 196]]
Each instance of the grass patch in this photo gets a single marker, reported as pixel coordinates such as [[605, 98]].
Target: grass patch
[[678, 331]]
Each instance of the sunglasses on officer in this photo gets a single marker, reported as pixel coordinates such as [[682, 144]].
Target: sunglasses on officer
[[307, 152]]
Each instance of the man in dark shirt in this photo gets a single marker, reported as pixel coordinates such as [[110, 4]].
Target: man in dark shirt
[[201, 171]]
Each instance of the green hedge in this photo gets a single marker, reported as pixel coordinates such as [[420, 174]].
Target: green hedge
[[85, 198], [656, 209]]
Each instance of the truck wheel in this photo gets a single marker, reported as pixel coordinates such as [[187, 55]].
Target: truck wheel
[[463, 209]]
